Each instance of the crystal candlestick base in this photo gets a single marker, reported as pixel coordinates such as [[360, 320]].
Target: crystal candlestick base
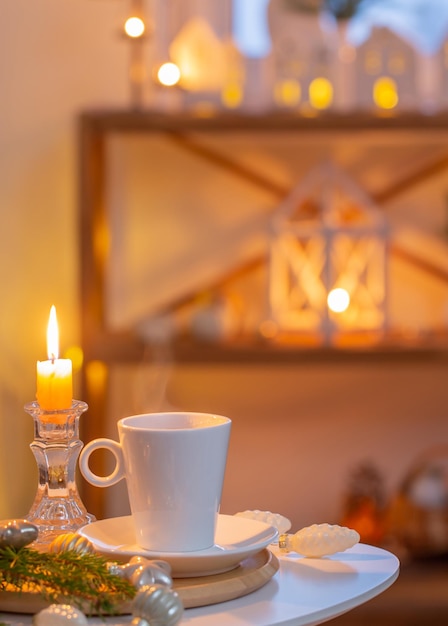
[[57, 506]]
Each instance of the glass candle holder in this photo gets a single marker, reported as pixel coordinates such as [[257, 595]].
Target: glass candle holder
[[57, 506]]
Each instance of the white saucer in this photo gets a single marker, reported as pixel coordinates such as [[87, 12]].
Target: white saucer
[[237, 538]]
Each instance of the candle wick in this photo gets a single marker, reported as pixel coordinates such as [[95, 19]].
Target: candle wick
[[52, 359]]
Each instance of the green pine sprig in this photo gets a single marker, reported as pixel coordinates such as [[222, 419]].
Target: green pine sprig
[[69, 577]]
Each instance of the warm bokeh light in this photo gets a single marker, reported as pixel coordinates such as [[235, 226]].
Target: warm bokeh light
[[101, 240], [338, 300], [168, 74], [232, 95], [96, 377], [76, 356], [288, 92], [385, 93], [321, 93], [134, 27]]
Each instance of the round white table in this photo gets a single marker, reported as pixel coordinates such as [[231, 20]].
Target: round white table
[[303, 592]]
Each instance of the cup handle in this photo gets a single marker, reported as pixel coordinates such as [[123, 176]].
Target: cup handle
[[102, 481]]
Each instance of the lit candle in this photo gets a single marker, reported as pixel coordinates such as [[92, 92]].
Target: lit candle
[[54, 377]]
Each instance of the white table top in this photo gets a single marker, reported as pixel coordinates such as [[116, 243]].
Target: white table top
[[303, 592]]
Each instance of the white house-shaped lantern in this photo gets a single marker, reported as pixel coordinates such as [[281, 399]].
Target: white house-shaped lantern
[[386, 70], [328, 235]]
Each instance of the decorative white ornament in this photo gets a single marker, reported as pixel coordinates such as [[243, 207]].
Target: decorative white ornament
[[58, 615], [320, 540], [156, 605], [71, 541], [281, 523]]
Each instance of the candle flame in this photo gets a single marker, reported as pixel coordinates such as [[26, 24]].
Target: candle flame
[[52, 335]]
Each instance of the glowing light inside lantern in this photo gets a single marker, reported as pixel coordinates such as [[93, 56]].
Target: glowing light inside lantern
[[321, 93], [134, 27], [168, 74], [338, 300], [385, 94]]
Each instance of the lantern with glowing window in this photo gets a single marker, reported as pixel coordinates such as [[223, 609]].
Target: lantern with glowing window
[[385, 73], [328, 270], [210, 67]]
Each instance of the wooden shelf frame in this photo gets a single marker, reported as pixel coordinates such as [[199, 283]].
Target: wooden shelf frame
[[94, 128], [100, 343]]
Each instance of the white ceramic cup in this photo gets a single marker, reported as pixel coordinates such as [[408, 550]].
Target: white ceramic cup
[[174, 466]]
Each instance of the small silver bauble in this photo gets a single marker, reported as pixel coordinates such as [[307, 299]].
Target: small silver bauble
[[142, 572], [156, 605], [146, 575], [141, 560], [17, 533], [58, 615]]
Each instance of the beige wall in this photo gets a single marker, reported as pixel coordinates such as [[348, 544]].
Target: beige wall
[[56, 59]]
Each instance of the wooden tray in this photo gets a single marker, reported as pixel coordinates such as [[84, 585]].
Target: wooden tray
[[250, 575]]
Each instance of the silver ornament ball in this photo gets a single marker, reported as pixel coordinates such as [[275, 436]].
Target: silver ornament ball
[[17, 533], [157, 605]]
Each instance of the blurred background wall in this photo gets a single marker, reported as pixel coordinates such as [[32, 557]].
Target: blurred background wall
[[56, 59]]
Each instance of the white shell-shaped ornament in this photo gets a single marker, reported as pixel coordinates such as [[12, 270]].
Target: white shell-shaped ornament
[[60, 615], [281, 523], [71, 541], [156, 605], [322, 540]]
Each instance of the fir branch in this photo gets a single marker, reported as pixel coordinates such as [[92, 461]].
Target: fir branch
[[80, 579]]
